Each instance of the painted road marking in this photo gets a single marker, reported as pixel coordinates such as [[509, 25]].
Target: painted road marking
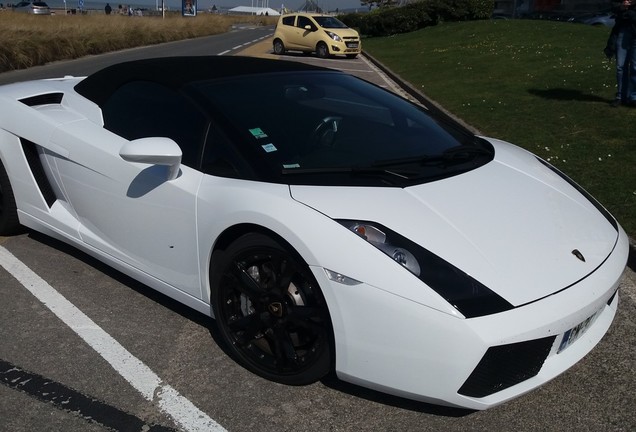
[[70, 400], [246, 44], [140, 376]]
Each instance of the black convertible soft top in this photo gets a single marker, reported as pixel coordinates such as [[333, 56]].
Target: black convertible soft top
[[178, 71]]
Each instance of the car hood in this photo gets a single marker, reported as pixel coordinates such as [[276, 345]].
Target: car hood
[[513, 224], [342, 32]]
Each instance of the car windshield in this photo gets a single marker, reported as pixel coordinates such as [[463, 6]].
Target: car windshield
[[330, 127], [329, 22]]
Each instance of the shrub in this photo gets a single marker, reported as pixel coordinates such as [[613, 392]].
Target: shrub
[[353, 20], [458, 10], [414, 16]]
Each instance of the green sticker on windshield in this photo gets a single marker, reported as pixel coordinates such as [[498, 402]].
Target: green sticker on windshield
[[258, 133]]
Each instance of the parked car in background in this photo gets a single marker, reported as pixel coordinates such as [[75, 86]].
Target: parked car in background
[[554, 15], [32, 7], [597, 19], [323, 34]]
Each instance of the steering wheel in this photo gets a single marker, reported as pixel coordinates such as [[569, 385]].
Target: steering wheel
[[324, 133]]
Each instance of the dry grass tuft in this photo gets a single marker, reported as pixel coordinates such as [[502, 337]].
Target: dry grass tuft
[[27, 41]]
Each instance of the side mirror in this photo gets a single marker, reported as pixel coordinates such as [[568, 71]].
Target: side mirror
[[154, 151], [308, 28]]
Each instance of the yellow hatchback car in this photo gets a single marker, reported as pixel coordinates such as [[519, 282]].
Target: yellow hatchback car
[[323, 34]]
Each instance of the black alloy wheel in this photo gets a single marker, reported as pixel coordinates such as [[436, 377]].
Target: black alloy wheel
[[270, 311]]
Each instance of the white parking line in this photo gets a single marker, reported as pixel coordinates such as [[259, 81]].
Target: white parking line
[[140, 376], [246, 44]]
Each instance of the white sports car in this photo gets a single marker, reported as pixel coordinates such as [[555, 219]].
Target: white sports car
[[326, 224]]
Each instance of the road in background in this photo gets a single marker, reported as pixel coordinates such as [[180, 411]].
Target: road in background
[[227, 43]]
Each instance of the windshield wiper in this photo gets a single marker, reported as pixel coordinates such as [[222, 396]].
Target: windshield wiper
[[342, 170], [465, 152], [457, 154], [405, 168]]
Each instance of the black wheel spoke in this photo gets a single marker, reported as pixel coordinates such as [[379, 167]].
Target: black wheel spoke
[[277, 268], [243, 323], [246, 338], [308, 318], [286, 276], [247, 285], [283, 348], [303, 313], [247, 329]]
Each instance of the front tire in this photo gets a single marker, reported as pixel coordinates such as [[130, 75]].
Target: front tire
[[270, 311], [322, 50], [9, 223]]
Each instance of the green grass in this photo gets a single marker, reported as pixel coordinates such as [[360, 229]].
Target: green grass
[[542, 85]]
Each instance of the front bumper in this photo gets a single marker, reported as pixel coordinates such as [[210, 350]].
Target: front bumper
[[346, 47], [397, 346]]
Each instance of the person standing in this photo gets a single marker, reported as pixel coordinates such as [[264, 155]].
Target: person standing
[[108, 9], [624, 33]]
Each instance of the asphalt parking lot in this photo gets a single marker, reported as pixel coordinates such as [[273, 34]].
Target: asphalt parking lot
[[365, 67], [53, 380], [361, 66]]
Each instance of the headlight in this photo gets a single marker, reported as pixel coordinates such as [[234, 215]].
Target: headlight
[[377, 238], [466, 294], [333, 36]]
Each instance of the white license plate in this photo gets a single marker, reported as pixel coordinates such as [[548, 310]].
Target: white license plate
[[575, 333], [352, 44]]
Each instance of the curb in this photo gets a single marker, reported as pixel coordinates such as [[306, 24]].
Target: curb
[[408, 88]]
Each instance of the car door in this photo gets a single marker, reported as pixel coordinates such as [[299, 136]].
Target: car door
[[307, 38], [133, 211], [288, 31]]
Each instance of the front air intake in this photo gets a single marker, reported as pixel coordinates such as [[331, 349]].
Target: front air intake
[[506, 365]]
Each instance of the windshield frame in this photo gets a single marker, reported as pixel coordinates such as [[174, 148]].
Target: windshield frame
[[329, 22], [231, 115]]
